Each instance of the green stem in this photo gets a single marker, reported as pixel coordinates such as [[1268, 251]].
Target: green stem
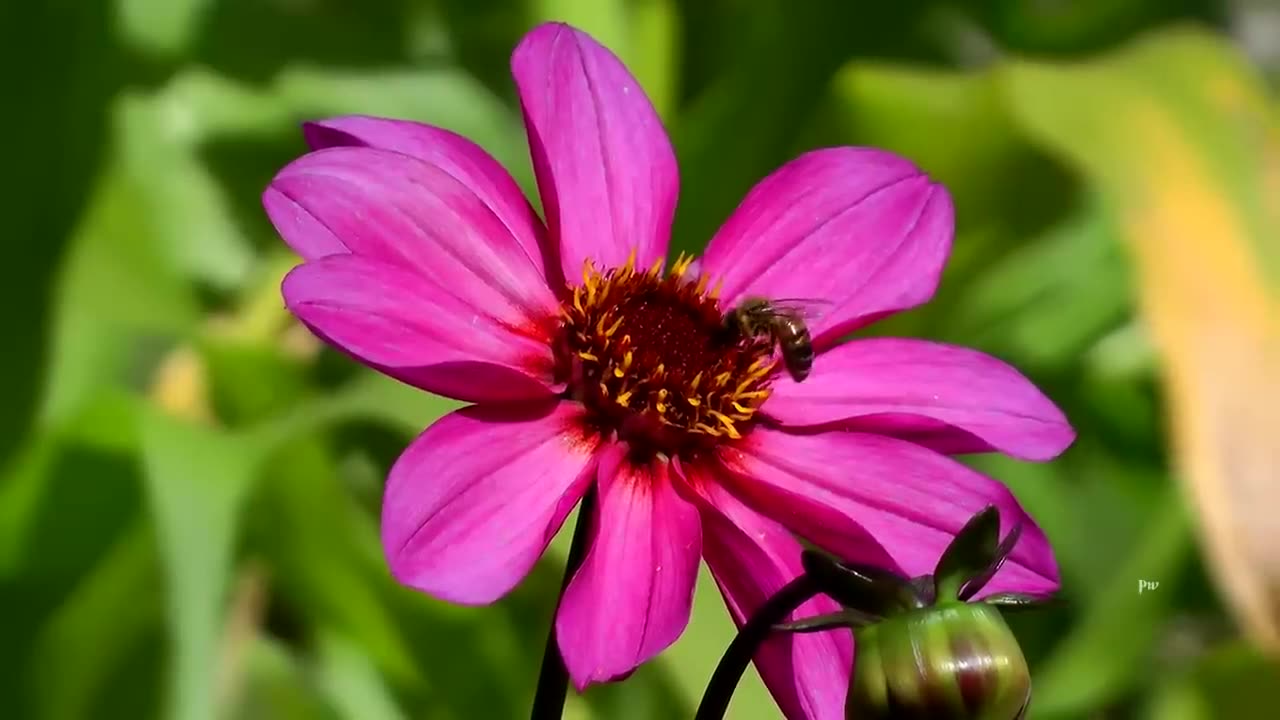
[[724, 681], [553, 680]]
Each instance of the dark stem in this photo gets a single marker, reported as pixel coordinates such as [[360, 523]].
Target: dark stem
[[715, 701], [553, 680]]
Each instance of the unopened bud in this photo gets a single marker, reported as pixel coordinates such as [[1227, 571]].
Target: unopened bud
[[956, 661]]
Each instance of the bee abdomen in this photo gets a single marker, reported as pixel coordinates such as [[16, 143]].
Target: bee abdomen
[[797, 349]]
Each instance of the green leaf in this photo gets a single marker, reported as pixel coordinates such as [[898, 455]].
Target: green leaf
[[1045, 303], [443, 97], [1182, 139], [919, 113], [1231, 681], [328, 562], [278, 686], [754, 85], [1074, 27], [164, 27], [1114, 641], [352, 684], [188, 209], [604, 20], [370, 396], [642, 33], [251, 381], [1088, 502], [211, 106], [654, 36], [197, 478], [109, 614], [20, 493], [116, 289], [32, 493]]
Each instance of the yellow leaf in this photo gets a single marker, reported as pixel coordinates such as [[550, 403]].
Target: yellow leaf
[[1179, 134]]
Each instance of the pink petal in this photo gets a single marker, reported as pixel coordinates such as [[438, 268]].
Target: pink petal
[[462, 159], [400, 323], [400, 210], [631, 597], [605, 168], [752, 558], [949, 398], [861, 229], [912, 500], [471, 505]]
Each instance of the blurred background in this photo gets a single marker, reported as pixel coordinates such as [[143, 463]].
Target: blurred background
[[189, 485]]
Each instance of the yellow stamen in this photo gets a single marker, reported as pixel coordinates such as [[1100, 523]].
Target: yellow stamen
[[656, 268], [588, 356], [626, 365], [683, 261], [701, 287], [599, 324], [726, 422]]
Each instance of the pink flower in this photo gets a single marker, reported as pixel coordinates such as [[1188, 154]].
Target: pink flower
[[424, 260]]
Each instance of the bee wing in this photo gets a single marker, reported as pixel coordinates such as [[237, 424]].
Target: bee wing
[[805, 308]]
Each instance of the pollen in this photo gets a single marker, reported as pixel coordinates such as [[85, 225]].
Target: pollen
[[653, 358]]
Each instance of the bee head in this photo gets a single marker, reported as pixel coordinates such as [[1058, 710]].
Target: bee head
[[750, 318]]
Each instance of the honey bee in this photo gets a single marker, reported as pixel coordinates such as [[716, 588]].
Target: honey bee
[[784, 322]]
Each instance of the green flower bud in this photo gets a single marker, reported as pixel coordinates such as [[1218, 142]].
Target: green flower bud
[[955, 660]]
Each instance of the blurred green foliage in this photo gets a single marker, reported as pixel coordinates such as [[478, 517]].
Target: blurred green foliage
[[190, 485]]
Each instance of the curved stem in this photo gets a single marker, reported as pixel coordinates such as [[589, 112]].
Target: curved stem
[[715, 701], [553, 679]]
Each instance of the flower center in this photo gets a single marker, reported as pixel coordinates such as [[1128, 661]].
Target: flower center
[[653, 360]]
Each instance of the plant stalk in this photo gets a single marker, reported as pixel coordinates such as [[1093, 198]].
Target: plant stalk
[[553, 679]]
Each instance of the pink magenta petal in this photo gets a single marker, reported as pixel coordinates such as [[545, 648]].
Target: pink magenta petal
[[471, 505], [631, 597], [862, 230], [398, 322], [605, 168], [464, 160], [400, 210], [960, 400], [911, 499], [752, 558]]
